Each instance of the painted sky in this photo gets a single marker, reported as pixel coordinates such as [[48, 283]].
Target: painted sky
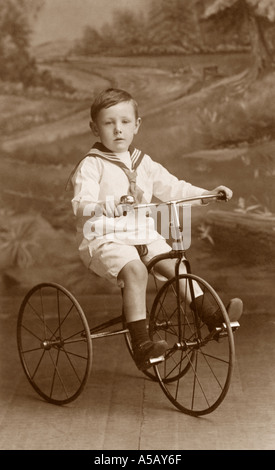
[[65, 19]]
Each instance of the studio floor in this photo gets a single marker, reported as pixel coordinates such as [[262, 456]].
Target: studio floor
[[121, 409]]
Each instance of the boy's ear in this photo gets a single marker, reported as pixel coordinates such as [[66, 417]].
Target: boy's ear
[[138, 123], [94, 128]]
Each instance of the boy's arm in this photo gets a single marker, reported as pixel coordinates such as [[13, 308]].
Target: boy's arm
[[86, 183], [86, 187], [168, 187]]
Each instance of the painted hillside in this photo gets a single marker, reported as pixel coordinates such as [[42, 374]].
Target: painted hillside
[[199, 118]]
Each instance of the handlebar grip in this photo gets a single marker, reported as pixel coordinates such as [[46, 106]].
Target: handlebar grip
[[221, 196], [127, 199]]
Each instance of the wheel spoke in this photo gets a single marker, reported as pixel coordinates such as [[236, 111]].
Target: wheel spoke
[[74, 354], [24, 351], [71, 364], [41, 319], [38, 364], [212, 369], [77, 334], [215, 357], [31, 332], [197, 381], [56, 371], [61, 323]]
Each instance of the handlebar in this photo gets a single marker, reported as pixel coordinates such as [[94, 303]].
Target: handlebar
[[130, 200]]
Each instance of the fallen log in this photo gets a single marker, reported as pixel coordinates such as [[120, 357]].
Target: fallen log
[[250, 222], [248, 238]]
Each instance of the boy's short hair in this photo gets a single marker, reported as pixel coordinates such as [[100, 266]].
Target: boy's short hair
[[111, 97]]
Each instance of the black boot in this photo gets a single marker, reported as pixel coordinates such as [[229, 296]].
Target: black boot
[[144, 349], [210, 313]]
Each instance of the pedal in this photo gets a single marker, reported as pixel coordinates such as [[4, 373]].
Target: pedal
[[156, 360], [222, 332], [150, 362], [234, 325]]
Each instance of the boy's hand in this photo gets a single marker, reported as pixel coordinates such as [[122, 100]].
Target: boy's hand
[[221, 189], [111, 210], [116, 210], [226, 191]]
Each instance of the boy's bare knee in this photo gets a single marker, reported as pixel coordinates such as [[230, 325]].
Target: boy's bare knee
[[134, 271], [167, 268]]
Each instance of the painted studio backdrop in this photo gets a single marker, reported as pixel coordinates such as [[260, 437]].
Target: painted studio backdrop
[[203, 75]]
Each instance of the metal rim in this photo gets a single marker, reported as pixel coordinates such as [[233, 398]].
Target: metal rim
[[197, 361], [54, 343]]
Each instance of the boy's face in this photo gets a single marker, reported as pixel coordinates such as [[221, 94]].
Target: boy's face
[[116, 126]]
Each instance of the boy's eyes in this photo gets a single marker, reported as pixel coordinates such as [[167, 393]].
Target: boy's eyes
[[124, 121]]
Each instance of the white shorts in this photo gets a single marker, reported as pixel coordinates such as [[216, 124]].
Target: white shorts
[[109, 259]]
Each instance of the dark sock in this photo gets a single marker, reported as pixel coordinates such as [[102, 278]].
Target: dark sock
[[206, 307], [138, 332]]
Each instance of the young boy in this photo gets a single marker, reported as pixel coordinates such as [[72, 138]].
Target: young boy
[[109, 242]]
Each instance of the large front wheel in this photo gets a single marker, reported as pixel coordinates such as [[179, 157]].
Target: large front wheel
[[54, 343], [197, 370]]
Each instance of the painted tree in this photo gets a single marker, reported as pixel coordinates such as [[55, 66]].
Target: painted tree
[[172, 23], [128, 30], [256, 14], [16, 62]]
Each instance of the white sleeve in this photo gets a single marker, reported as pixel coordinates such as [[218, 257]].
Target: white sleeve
[[86, 182], [167, 186]]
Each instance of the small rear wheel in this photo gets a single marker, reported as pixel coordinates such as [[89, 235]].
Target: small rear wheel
[[197, 370], [54, 343]]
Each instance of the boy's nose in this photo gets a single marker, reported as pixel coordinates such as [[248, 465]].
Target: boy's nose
[[117, 130]]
